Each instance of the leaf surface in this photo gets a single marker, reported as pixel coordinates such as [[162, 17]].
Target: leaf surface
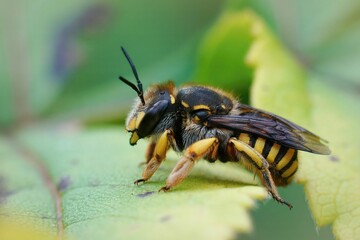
[[283, 87], [93, 171], [320, 101]]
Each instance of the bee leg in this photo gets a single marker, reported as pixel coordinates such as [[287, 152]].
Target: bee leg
[[158, 155], [149, 153], [258, 161], [194, 152]]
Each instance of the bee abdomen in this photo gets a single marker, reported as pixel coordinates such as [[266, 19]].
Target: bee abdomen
[[282, 160]]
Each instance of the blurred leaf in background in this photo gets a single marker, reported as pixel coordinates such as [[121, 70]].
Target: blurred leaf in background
[[296, 84], [64, 61], [59, 64]]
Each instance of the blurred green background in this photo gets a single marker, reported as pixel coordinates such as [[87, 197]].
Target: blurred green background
[[59, 63]]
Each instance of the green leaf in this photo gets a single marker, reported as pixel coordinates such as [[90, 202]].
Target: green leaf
[[65, 62], [84, 178], [90, 172], [273, 83], [16, 231], [28, 83], [322, 35], [221, 57], [159, 52], [283, 87], [306, 96], [330, 182]]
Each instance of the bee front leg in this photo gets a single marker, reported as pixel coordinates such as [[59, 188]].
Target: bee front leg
[[158, 152], [194, 152], [262, 166], [149, 151]]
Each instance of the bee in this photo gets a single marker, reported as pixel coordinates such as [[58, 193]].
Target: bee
[[208, 123]]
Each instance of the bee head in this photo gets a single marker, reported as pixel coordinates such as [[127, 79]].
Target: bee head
[[149, 108]]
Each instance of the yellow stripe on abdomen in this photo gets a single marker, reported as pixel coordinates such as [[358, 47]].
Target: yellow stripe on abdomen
[[273, 153], [245, 138], [259, 145], [291, 170], [285, 160]]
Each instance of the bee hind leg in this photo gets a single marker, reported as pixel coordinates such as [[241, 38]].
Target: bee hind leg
[[193, 153], [255, 159]]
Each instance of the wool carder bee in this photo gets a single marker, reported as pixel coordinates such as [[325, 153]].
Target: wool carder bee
[[207, 123]]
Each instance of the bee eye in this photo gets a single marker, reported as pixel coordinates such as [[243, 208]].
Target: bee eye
[[162, 92], [152, 117]]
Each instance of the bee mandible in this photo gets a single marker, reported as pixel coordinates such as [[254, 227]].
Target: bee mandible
[[208, 123]]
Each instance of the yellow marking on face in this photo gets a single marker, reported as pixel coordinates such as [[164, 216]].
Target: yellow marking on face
[[244, 137], [290, 170], [273, 152], [134, 138], [201, 106], [223, 106], [139, 118], [172, 99], [131, 125], [184, 104], [196, 119], [286, 159], [259, 145]]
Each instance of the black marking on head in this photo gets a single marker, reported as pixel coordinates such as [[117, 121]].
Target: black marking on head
[[139, 88]]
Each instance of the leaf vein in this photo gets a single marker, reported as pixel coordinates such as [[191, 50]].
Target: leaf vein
[[41, 168]]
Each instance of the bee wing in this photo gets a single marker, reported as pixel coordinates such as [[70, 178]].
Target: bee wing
[[270, 126]]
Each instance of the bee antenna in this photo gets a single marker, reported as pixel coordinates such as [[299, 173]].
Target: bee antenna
[[139, 88]]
